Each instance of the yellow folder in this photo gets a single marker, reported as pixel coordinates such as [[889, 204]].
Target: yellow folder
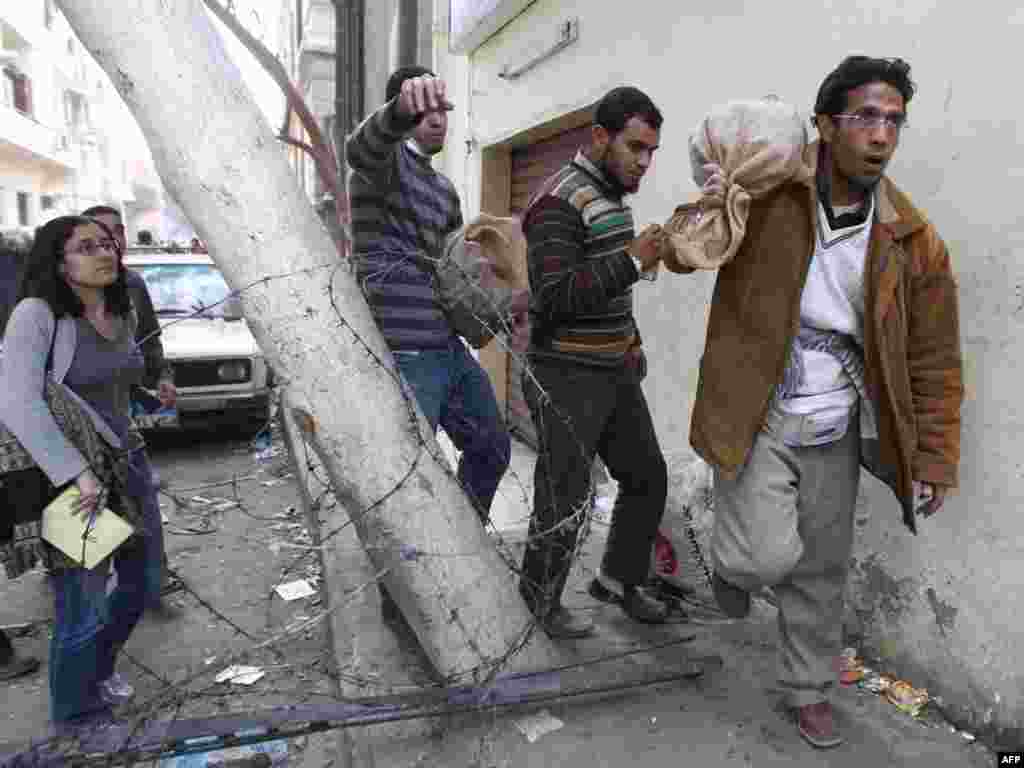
[[67, 531]]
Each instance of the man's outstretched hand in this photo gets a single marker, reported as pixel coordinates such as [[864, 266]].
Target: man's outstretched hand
[[423, 94]]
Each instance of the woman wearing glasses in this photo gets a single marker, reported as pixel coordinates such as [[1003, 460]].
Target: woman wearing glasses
[[74, 322]]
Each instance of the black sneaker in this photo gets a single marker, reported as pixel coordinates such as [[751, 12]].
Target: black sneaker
[[634, 601], [563, 623]]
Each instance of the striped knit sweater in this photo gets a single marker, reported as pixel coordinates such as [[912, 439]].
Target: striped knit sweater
[[578, 229], [402, 209]]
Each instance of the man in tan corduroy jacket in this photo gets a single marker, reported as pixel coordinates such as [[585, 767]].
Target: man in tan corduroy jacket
[[833, 342]]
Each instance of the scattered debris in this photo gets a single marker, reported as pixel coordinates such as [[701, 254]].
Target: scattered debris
[[536, 725], [239, 674], [269, 753], [851, 668], [899, 693], [295, 590], [263, 449], [907, 698]]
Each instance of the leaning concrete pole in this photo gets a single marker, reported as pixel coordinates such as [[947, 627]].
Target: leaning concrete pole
[[218, 158]]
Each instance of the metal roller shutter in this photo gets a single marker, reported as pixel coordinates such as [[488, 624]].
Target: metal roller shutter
[[531, 165]]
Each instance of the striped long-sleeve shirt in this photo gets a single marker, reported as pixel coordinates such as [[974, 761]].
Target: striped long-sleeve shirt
[[578, 229], [402, 209]]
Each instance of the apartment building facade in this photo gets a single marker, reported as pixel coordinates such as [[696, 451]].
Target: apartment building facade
[[61, 123]]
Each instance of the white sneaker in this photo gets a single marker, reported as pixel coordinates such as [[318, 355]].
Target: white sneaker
[[116, 689]]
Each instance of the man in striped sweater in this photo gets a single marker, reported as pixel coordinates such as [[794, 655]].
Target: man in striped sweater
[[587, 363], [402, 210]]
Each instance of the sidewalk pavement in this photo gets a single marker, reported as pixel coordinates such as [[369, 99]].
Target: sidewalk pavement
[[231, 555], [730, 717]]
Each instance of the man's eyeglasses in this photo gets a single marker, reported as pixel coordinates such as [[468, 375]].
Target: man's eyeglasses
[[871, 120], [92, 247]]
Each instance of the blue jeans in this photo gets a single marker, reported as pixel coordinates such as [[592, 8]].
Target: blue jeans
[[90, 628], [79, 647], [453, 391]]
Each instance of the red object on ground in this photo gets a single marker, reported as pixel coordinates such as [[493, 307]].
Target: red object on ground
[[665, 561]]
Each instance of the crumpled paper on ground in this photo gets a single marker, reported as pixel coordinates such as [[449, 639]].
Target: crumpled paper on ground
[[239, 674], [536, 725]]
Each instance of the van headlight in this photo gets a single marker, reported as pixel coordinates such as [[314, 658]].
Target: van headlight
[[233, 371]]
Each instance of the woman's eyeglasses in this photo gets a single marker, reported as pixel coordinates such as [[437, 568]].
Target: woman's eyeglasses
[[92, 247]]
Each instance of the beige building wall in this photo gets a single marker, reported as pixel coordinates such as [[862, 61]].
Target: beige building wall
[[944, 606]]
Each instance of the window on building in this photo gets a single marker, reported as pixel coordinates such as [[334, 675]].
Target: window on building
[[76, 110], [6, 88], [23, 212], [17, 90], [48, 14], [46, 202], [71, 46]]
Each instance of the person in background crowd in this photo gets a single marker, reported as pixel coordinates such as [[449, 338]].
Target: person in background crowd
[[12, 258], [159, 374], [13, 666]]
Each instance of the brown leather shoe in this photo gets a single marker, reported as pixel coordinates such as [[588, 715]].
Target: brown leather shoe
[[816, 723]]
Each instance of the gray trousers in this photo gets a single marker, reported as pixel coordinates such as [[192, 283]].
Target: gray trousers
[[786, 521]]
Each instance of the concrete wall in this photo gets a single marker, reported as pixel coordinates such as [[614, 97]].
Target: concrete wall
[[940, 607]]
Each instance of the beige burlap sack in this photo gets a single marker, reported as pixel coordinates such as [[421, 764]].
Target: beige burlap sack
[[482, 276], [758, 145]]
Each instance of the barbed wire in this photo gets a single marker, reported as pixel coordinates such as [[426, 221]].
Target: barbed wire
[[578, 521]]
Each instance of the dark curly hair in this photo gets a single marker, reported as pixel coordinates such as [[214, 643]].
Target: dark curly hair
[[620, 104], [41, 280], [855, 71]]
